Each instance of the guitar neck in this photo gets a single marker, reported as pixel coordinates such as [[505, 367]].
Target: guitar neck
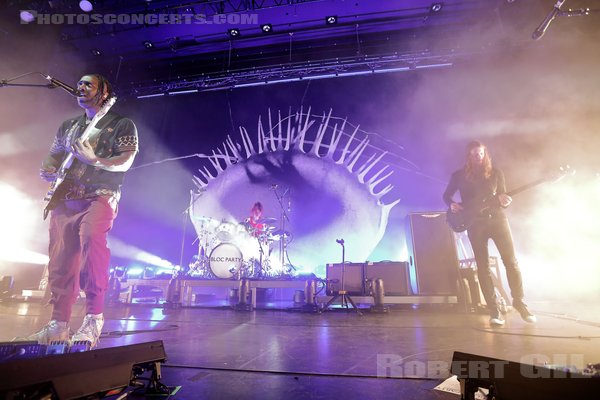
[[87, 132], [526, 187]]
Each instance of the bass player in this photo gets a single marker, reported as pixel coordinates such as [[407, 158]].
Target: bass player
[[476, 181]]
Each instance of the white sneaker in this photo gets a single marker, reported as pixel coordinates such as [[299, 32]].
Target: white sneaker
[[524, 312], [496, 318], [54, 331], [90, 330]]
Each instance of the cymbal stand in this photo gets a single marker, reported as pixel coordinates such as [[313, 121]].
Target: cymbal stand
[[284, 217], [342, 294]]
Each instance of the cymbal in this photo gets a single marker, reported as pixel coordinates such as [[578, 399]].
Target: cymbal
[[203, 218], [206, 222], [278, 234], [267, 220]]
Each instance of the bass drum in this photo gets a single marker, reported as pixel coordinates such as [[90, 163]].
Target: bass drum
[[225, 260]]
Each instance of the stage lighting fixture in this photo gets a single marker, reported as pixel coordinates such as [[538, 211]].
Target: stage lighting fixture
[[27, 16], [233, 32], [436, 7], [330, 20], [96, 52], [86, 5], [148, 44], [266, 28]]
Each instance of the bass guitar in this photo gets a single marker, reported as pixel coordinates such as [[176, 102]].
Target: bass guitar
[[461, 220], [58, 187]]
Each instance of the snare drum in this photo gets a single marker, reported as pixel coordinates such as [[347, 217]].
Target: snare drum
[[225, 260]]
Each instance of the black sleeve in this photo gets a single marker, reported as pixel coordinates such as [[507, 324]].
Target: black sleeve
[[126, 136], [451, 189], [57, 149]]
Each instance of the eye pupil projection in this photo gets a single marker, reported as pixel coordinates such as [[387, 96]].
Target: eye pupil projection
[[316, 180]]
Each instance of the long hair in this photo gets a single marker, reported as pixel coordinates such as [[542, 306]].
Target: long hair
[[257, 206], [103, 84], [472, 170]]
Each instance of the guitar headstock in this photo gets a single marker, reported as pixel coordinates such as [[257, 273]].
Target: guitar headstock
[[108, 103], [563, 170]]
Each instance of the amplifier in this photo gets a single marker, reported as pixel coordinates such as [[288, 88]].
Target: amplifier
[[354, 279], [393, 273]]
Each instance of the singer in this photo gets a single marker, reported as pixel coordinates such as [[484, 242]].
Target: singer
[[477, 180], [85, 209]]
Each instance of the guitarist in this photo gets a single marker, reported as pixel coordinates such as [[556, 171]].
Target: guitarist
[[83, 209], [483, 193]]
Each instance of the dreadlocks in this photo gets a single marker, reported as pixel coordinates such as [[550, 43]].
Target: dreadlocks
[[103, 85]]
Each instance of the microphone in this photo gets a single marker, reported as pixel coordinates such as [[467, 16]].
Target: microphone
[[340, 241], [539, 32], [55, 82]]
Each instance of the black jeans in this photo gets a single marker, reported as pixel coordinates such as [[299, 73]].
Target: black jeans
[[497, 229]]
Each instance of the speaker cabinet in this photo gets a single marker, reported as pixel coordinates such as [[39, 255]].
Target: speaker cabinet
[[76, 375], [354, 279], [394, 275], [433, 260]]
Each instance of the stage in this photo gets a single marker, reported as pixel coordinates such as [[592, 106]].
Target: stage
[[278, 352]]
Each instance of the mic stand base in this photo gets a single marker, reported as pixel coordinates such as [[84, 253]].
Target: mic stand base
[[344, 300], [309, 308]]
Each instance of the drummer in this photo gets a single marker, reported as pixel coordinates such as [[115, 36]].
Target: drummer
[[255, 225]]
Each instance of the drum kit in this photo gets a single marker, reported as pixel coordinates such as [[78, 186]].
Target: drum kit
[[235, 250]]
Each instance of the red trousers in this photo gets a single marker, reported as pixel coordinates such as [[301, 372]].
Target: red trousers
[[79, 256]]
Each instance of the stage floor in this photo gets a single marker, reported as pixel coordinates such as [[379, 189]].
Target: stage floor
[[219, 353]]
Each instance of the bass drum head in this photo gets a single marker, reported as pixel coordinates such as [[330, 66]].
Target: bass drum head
[[225, 260]]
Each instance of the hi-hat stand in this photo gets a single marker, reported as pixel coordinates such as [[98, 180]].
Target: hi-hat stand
[[342, 294]]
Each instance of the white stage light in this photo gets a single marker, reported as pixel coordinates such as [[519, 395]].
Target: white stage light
[[19, 215], [86, 5]]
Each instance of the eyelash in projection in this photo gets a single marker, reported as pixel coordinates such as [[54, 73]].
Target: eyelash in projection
[[292, 132]]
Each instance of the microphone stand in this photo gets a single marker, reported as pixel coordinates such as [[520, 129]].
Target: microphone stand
[[342, 294], [5, 82], [173, 295]]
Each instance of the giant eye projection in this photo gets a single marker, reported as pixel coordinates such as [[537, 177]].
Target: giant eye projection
[[316, 181]]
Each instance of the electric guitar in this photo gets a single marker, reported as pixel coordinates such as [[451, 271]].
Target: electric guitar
[[461, 220], [58, 187]]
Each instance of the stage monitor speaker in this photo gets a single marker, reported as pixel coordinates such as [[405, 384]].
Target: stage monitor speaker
[[393, 273], [354, 279], [508, 380], [76, 375], [433, 260]]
